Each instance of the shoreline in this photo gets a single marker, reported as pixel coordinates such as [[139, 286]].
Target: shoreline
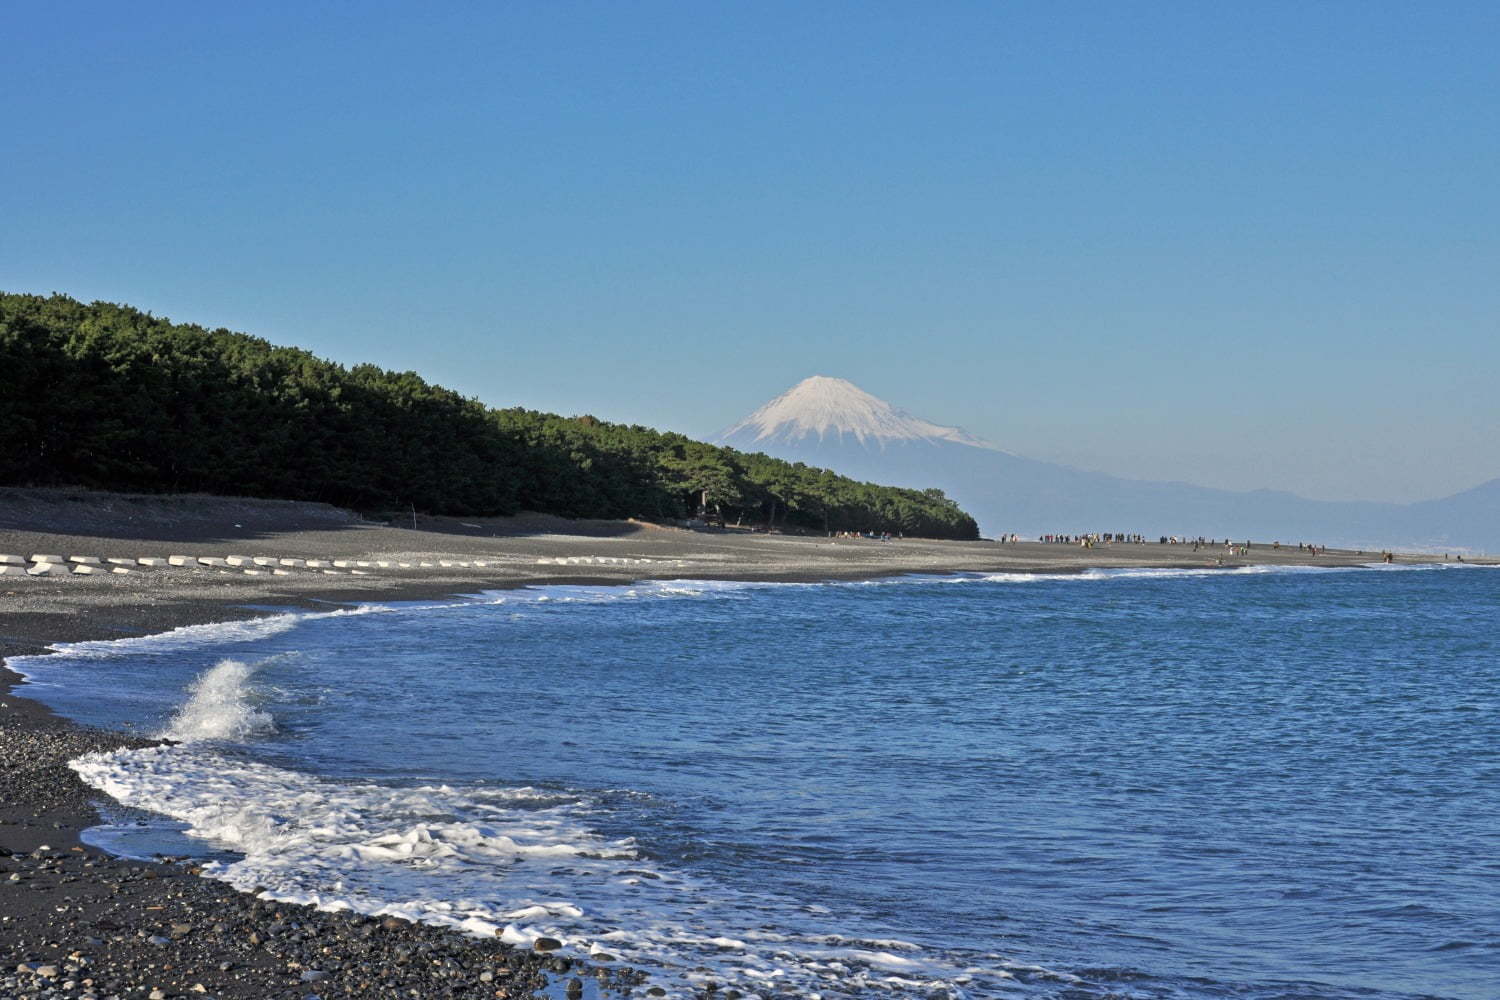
[[78, 922], [157, 930]]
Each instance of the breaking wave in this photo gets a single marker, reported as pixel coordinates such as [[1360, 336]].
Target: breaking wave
[[512, 863], [221, 706]]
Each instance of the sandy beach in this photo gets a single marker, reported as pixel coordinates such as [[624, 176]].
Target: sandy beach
[[359, 560], [74, 922]]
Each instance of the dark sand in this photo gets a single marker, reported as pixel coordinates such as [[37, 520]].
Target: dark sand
[[76, 923]]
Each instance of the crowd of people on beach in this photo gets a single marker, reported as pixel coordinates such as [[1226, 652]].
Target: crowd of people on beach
[[1200, 543], [1230, 546], [1090, 539]]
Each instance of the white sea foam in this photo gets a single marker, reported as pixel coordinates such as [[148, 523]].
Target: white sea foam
[[216, 634], [640, 590], [516, 863], [185, 637], [1082, 576], [194, 636], [1176, 572], [221, 706], [1413, 567], [1122, 573]]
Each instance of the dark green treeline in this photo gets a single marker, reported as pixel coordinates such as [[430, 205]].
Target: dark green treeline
[[108, 397]]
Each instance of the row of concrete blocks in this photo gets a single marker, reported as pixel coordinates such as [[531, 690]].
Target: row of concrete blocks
[[590, 561], [50, 565], [59, 569]]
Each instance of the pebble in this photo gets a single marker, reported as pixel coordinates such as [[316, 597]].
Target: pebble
[[108, 929]]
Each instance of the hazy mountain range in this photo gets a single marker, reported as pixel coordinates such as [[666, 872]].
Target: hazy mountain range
[[832, 423]]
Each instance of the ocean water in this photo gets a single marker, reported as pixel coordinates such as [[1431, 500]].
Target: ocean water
[[1189, 784]]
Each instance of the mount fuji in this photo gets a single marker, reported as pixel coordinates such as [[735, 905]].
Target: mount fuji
[[835, 410], [832, 423]]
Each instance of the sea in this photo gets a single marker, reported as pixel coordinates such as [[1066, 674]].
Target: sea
[[1260, 784]]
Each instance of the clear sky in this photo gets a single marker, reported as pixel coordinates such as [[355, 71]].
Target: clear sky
[[1237, 244]]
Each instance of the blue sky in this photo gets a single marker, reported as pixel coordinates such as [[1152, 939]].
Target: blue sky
[[1242, 245]]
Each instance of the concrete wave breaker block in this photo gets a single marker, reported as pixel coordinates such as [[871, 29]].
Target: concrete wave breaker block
[[47, 569], [154, 561], [343, 563], [182, 560], [117, 561], [87, 569], [237, 560], [46, 559], [317, 564], [121, 569], [265, 560], [215, 561], [11, 569], [292, 563], [281, 572], [86, 560], [12, 561]]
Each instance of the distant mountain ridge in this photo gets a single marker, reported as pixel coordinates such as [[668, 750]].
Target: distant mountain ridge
[[832, 423]]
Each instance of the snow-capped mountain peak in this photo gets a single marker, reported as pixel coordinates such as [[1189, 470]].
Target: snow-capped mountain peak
[[825, 408]]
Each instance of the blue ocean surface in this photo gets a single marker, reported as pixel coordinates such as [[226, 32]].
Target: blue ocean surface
[[1189, 784]]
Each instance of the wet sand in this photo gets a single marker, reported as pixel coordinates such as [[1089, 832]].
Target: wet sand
[[76, 923]]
